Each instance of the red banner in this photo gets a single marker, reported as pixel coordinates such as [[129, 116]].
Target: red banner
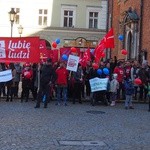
[[43, 50], [54, 55], [24, 49]]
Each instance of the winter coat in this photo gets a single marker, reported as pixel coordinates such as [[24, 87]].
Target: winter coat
[[18, 72], [78, 75], [114, 85], [129, 88], [62, 76], [143, 75], [47, 74], [120, 72]]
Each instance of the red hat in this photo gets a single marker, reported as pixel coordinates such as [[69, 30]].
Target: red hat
[[27, 65]]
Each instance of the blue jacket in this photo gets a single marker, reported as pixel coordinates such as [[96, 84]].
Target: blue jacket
[[129, 88]]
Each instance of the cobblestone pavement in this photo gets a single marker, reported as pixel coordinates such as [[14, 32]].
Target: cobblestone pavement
[[73, 127]]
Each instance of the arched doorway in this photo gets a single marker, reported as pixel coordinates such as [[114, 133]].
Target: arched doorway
[[129, 46], [131, 33], [48, 45]]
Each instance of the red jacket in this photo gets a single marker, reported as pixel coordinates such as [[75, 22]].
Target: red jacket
[[62, 76], [27, 74], [120, 72], [127, 71]]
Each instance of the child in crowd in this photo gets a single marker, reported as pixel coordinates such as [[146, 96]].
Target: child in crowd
[[114, 86], [129, 91]]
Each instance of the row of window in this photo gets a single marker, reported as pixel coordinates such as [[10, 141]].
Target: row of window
[[68, 18], [42, 19]]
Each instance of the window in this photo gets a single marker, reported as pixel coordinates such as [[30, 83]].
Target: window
[[93, 17], [68, 14], [17, 18], [93, 20], [68, 18], [43, 17]]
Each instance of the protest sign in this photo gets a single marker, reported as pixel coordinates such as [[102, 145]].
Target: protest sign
[[5, 76], [98, 84], [72, 63]]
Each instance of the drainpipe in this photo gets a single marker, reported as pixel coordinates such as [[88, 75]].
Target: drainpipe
[[140, 28], [109, 22], [107, 27]]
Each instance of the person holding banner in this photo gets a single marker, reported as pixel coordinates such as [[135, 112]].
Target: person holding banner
[[2, 84], [98, 73], [17, 76], [93, 74], [78, 79], [11, 84]]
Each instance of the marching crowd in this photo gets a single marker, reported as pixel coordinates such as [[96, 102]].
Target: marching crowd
[[49, 80]]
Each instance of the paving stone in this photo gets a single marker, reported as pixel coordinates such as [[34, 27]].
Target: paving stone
[[93, 143], [24, 128], [70, 143]]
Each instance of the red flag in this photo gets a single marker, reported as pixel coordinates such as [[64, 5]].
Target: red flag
[[86, 57], [109, 39], [106, 42], [99, 51]]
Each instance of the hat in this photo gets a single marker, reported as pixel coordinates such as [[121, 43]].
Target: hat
[[49, 60], [27, 65], [115, 76]]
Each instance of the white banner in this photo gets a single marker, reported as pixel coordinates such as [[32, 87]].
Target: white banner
[[98, 84], [5, 76], [72, 63]]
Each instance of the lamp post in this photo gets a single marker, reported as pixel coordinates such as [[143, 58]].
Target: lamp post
[[12, 15], [20, 30]]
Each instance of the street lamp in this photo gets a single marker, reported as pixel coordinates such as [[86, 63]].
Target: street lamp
[[12, 15], [20, 30]]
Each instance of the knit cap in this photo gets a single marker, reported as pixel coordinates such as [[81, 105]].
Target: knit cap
[[115, 76]]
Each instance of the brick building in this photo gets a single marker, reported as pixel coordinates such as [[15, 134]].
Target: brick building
[[130, 18]]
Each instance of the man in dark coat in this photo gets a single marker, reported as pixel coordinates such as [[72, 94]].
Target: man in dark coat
[[47, 78]]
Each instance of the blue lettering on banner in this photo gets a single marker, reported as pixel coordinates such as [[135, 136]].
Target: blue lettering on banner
[[5, 76], [98, 84]]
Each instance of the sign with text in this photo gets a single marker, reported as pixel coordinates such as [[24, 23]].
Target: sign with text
[[5, 76], [72, 63], [98, 84], [23, 49]]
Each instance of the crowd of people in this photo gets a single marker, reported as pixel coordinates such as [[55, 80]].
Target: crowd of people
[[47, 81]]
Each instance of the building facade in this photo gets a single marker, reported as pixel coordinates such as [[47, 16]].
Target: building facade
[[130, 18], [80, 23]]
